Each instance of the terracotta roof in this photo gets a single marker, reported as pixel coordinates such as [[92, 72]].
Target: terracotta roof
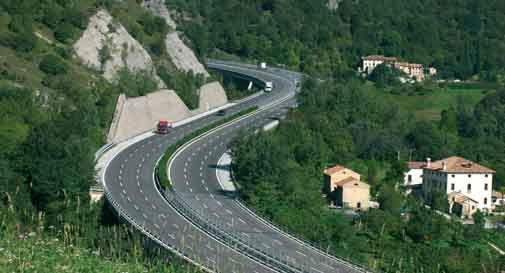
[[351, 181], [380, 58], [333, 170], [457, 164], [416, 165], [459, 197], [411, 65]]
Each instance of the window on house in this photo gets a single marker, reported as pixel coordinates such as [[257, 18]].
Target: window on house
[[469, 175], [469, 187], [485, 201], [453, 176], [486, 175], [409, 178], [453, 186], [485, 187]]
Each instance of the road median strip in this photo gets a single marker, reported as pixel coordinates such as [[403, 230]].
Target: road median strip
[[161, 168]]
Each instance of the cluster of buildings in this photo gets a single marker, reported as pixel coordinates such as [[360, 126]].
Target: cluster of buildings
[[467, 186], [414, 71]]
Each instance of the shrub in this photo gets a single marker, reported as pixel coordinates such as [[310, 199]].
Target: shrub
[[52, 64]]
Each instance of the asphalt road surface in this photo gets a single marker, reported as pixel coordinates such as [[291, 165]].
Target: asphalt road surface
[[231, 238]]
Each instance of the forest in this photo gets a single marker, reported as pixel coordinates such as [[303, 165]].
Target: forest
[[462, 38]]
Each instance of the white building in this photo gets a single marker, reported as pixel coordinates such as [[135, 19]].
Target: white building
[[456, 175], [414, 177], [413, 70]]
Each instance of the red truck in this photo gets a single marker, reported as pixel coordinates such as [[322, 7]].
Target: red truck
[[163, 127]]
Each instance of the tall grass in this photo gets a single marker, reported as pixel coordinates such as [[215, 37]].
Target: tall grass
[[86, 238]]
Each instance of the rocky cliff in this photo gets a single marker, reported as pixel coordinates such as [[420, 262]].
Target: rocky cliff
[[106, 46], [180, 54]]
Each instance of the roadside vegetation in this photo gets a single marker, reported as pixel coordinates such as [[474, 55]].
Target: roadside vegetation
[[280, 174], [54, 113]]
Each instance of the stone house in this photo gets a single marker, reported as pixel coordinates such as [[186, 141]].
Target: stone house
[[344, 189]]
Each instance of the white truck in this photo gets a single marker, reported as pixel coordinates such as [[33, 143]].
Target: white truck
[[269, 86], [263, 65]]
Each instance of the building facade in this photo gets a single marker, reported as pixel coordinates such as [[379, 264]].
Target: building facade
[[414, 71], [458, 175], [414, 175], [344, 189]]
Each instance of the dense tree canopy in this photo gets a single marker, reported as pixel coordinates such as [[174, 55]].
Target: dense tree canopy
[[460, 37]]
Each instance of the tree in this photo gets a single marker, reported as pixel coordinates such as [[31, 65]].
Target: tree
[[383, 75], [53, 65]]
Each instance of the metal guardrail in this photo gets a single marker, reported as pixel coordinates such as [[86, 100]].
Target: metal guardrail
[[123, 214], [306, 243], [231, 240]]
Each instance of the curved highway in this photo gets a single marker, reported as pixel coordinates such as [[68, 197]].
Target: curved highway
[[198, 221]]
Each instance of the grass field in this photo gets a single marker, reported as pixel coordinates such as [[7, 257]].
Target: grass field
[[429, 105]]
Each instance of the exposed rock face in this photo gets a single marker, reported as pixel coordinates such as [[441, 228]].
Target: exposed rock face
[[159, 8], [212, 95], [107, 46], [181, 55], [141, 114]]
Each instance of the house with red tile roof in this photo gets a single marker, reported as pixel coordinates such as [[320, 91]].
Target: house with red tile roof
[[345, 189], [457, 175]]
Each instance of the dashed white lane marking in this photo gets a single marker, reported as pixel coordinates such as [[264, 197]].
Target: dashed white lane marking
[[245, 234], [190, 190], [144, 215], [129, 199], [175, 226], [256, 230], [211, 196], [207, 189], [156, 226], [136, 207], [196, 197], [120, 184], [316, 270], [120, 171], [215, 214], [203, 181], [124, 191], [302, 254], [171, 236], [241, 221], [153, 206], [205, 206], [119, 177], [219, 203]]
